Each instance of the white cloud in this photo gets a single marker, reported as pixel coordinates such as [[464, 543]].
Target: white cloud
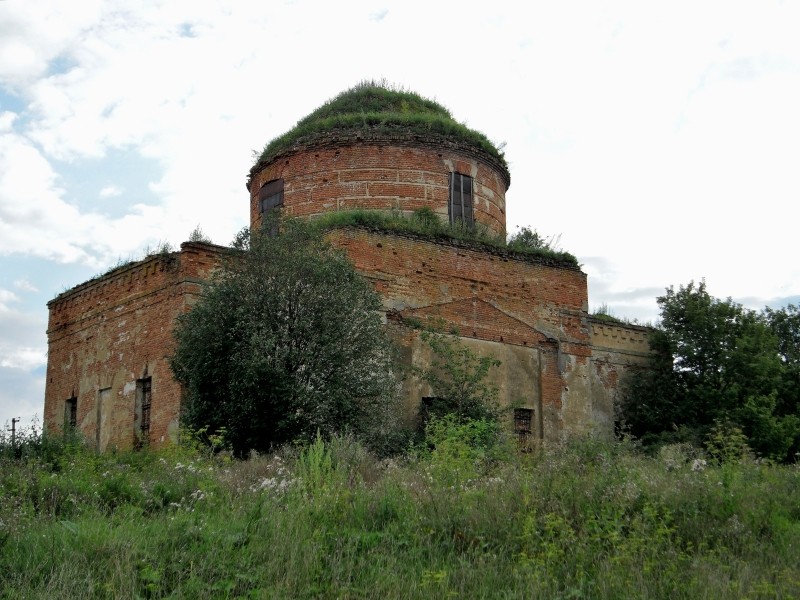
[[25, 285], [7, 119], [21, 357], [22, 345], [36, 220], [7, 297], [34, 33], [21, 397], [110, 191]]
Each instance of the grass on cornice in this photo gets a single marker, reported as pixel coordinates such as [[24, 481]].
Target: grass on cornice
[[426, 223], [372, 106]]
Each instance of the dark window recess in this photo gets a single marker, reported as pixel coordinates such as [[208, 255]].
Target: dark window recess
[[460, 207], [428, 407], [271, 195], [523, 418], [71, 412], [144, 400]]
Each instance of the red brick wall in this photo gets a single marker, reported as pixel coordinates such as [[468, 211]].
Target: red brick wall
[[495, 296], [380, 177], [412, 272], [109, 332]]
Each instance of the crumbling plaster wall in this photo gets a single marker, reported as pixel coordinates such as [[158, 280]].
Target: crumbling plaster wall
[[105, 334], [530, 314], [617, 349]]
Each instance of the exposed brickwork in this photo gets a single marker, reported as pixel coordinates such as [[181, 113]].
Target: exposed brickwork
[[379, 177], [414, 272], [401, 139], [531, 313], [492, 296], [105, 334]]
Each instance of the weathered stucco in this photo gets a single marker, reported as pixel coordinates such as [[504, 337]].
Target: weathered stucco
[[107, 336]]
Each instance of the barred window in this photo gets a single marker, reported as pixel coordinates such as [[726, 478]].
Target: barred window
[[144, 399], [523, 417], [271, 195], [460, 206]]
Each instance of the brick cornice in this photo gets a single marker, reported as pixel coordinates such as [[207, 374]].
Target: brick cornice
[[341, 138]]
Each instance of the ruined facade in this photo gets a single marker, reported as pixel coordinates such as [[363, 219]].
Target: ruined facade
[[109, 339]]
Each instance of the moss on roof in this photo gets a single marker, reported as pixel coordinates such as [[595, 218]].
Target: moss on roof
[[378, 109]]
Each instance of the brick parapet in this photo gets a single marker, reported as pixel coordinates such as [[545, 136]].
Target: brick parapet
[[410, 271], [620, 338]]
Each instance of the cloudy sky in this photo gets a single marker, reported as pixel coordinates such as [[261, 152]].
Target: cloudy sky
[[660, 140]]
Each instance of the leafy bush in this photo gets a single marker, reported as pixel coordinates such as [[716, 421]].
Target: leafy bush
[[285, 341], [530, 239], [457, 377]]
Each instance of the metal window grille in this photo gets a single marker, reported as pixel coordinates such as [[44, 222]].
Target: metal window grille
[[71, 412], [461, 199], [523, 417], [146, 398], [271, 195]]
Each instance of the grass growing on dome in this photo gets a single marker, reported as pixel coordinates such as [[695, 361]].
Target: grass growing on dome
[[425, 223], [376, 97], [379, 109]]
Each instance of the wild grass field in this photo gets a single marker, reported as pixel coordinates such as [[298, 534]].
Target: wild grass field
[[585, 519]]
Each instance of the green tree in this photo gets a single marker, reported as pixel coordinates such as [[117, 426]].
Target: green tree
[[785, 324], [285, 341], [457, 377], [713, 360]]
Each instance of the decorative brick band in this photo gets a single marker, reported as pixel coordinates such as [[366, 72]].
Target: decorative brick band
[[388, 177]]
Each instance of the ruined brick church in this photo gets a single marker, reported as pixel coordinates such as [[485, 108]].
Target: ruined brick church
[[370, 149]]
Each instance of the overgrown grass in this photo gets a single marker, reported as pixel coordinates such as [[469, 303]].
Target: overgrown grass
[[426, 223], [580, 520], [605, 314], [381, 109], [162, 249]]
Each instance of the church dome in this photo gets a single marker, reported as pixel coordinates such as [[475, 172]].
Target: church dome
[[372, 147]]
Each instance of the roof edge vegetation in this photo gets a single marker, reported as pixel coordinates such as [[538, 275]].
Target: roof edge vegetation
[[425, 224], [381, 111], [162, 252]]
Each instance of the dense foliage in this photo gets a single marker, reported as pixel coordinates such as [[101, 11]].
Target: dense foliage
[[286, 341], [584, 520], [375, 107], [717, 364]]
